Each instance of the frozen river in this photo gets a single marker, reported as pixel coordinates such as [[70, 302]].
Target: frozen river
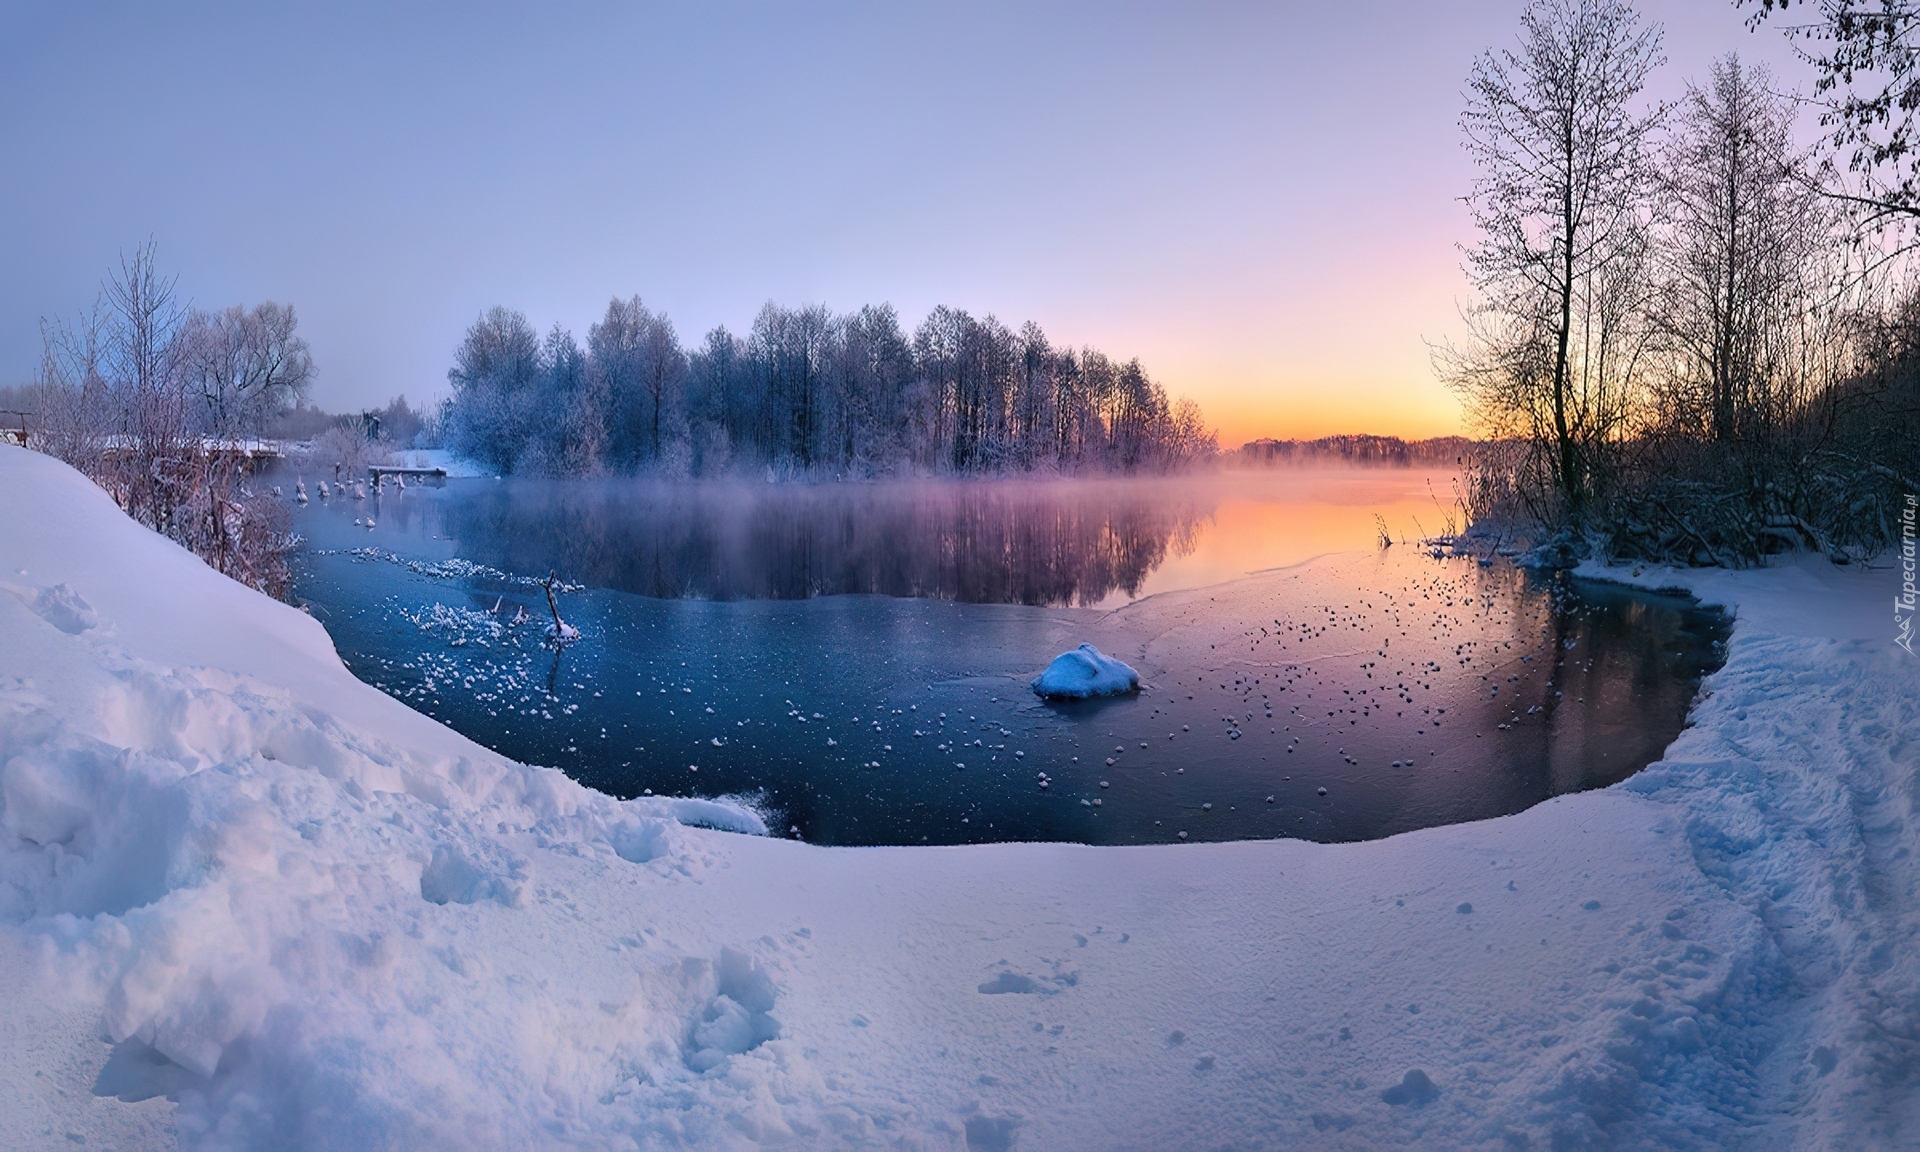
[[854, 658]]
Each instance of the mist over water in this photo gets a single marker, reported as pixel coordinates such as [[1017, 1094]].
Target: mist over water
[[990, 542], [855, 657]]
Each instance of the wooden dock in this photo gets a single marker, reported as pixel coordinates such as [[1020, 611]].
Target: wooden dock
[[375, 471]]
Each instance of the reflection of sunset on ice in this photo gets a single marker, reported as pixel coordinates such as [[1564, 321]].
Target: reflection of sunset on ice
[[886, 697]]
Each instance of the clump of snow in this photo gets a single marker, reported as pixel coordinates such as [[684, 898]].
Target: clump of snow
[[459, 625], [247, 901], [63, 608], [1085, 671]]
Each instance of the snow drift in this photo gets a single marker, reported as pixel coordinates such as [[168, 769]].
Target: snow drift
[[249, 902], [1086, 671]]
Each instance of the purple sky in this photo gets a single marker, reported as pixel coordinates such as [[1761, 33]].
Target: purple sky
[[1259, 200]]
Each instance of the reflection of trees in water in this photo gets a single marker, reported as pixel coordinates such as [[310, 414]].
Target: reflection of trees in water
[[1646, 652], [991, 542]]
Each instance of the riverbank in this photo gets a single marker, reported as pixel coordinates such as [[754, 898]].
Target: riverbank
[[302, 915]]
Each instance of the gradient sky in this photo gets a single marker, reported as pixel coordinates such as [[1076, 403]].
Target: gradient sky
[[1259, 200]]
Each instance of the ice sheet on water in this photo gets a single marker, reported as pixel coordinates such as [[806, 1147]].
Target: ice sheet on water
[[452, 568]]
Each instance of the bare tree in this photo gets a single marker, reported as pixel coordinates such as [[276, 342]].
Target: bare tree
[[718, 398], [1866, 56], [663, 377], [122, 410], [144, 316], [154, 446], [790, 347], [72, 393], [1746, 253], [1560, 141]]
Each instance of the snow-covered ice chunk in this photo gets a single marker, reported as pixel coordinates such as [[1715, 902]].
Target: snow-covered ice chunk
[[1085, 671], [63, 608], [726, 814]]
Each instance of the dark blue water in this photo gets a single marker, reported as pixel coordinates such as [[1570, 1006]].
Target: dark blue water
[[854, 659]]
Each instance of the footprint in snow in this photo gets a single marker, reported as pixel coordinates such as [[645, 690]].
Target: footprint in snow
[[1414, 1088]]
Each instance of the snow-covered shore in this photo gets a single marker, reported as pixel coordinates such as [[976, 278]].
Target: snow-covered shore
[[249, 902]]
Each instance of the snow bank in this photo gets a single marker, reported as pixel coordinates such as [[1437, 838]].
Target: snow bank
[[1085, 671], [249, 902]]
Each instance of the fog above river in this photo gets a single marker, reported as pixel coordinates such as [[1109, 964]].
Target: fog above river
[[1100, 542]]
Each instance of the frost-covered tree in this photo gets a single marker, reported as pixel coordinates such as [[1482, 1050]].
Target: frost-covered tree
[[247, 366], [641, 370], [809, 392], [491, 415]]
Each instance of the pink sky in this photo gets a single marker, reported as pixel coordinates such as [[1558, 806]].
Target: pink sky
[[1258, 200]]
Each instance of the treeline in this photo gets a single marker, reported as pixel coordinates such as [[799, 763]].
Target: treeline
[[1390, 451], [807, 393], [1687, 342], [400, 425], [153, 399]]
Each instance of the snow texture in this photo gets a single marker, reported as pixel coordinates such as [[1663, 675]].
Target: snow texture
[[249, 902], [1086, 671]]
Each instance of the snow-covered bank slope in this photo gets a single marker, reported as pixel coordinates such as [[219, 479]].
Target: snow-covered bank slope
[[232, 875]]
